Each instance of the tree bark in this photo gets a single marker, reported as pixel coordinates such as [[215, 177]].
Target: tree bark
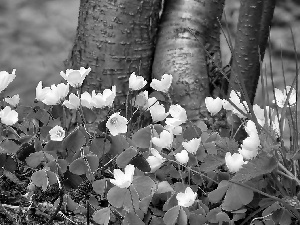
[[246, 53], [179, 53], [115, 38]]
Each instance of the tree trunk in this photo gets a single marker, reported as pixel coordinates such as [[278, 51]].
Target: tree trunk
[[115, 38], [182, 54], [246, 54]]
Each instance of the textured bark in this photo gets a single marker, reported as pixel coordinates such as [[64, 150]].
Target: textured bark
[[179, 53], [115, 38], [265, 26], [246, 56]]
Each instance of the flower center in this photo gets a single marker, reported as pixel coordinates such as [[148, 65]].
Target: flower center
[[113, 121], [59, 133]]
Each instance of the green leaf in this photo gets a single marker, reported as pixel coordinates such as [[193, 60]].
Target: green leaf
[[78, 166], [40, 179], [36, 158], [93, 162], [59, 164], [195, 219], [182, 217], [191, 132], [89, 115], [73, 143], [144, 203], [99, 186], [260, 165], [144, 186], [100, 146], [227, 145], [164, 187], [222, 217], [211, 215], [216, 195], [131, 201], [116, 196], [8, 146], [118, 144], [211, 163], [142, 137], [7, 162], [125, 157], [170, 203], [171, 215], [141, 163], [102, 216], [236, 197], [131, 218]]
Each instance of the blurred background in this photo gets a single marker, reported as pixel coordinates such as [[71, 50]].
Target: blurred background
[[36, 36]]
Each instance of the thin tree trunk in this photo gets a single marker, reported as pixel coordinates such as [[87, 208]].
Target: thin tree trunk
[[246, 54], [179, 53], [115, 38]]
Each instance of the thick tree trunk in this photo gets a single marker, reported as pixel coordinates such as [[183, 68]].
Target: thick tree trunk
[[115, 38], [246, 53], [179, 53]]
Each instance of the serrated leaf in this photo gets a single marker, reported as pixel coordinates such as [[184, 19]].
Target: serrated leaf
[[143, 185], [211, 162], [171, 215], [116, 196], [102, 216], [125, 157], [258, 166], [236, 197]]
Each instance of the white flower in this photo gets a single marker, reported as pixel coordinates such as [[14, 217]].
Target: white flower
[[123, 180], [187, 198], [75, 77], [275, 125], [175, 130], [52, 95], [248, 154], [6, 79], [165, 140], [234, 97], [179, 116], [151, 102], [259, 114], [157, 112], [13, 101], [155, 160], [8, 117], [57, 133], [250, 128], [116, 124], [136, 82], [281, 97], [106, 99], [213, 105], [141, 100], [86, 100], [162, 85], [243, 106], [41, 92], [234, 162], [73, 102], [192, 145], [182, 157]]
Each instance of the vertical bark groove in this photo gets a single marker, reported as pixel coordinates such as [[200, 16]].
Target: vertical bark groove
[[179, 53], [115, 38], [246, 56]]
